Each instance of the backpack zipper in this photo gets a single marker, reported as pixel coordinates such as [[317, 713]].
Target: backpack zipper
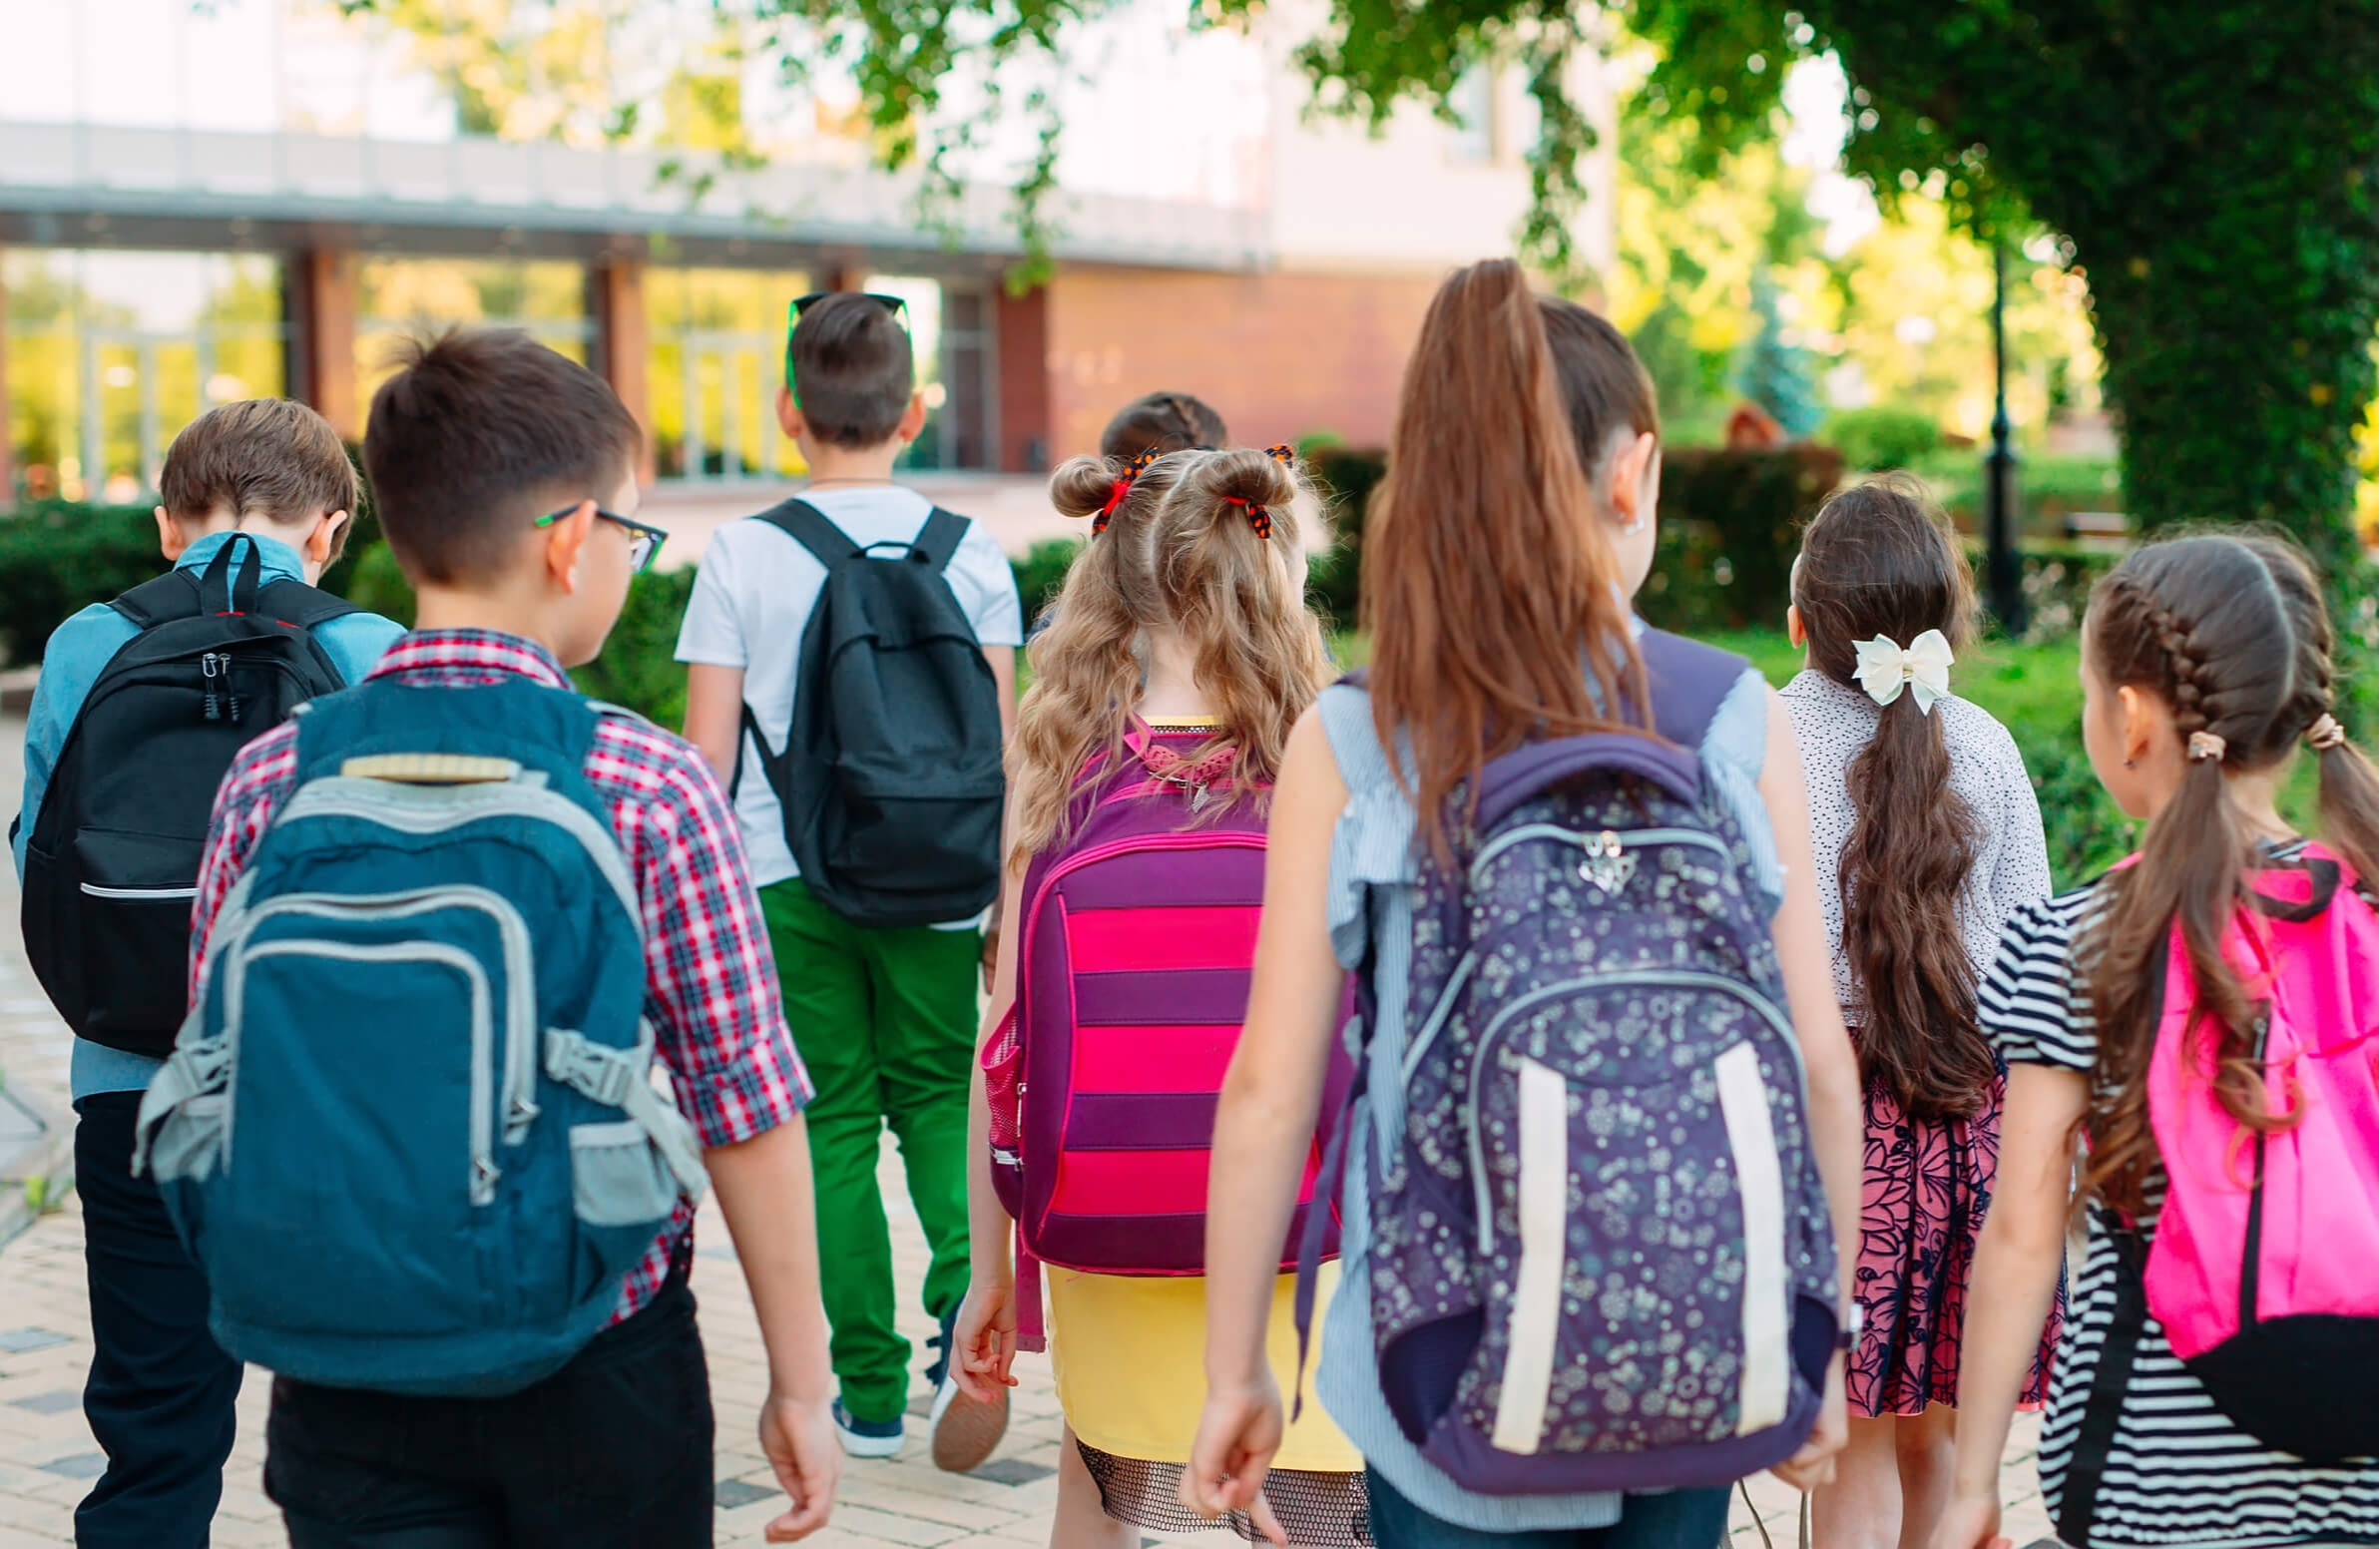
[[1605, 844], [1482, 1206], [345, 797]]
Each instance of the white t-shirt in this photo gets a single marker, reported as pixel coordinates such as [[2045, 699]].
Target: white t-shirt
[[752, 599]]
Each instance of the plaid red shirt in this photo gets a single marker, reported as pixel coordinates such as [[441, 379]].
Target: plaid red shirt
[[709, 982]]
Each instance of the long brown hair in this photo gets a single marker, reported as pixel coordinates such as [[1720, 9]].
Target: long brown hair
[[1880, 559], [1489, 586], [1177, 552], [2231, 632]]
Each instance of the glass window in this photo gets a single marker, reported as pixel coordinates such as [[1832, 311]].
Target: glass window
[[950, 331], [397, 297], [110, 353], [717, 358]]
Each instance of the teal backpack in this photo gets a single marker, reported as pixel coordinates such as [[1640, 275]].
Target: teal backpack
[[409, 1129]]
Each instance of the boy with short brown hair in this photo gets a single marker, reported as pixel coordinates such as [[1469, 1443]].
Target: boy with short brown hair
[[264, 487], [505, 478]]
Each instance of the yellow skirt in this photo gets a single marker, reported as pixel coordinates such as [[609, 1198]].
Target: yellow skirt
[[1129, 1357]]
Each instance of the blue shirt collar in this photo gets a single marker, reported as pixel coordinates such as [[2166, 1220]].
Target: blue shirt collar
[[280, 562]]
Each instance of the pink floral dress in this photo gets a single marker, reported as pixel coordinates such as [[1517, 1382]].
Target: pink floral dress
[[1928, 1182]]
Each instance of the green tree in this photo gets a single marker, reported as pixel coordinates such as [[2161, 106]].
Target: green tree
[[1777, 374], [2209, 162]]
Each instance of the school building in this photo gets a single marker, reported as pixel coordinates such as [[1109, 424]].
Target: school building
[[255, 197]]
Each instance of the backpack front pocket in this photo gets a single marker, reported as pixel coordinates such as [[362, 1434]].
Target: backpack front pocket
[[134, 908], [1639, 1289], [391, 1224]]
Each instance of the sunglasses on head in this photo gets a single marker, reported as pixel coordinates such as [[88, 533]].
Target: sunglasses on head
[[802, 304], [644, 541]]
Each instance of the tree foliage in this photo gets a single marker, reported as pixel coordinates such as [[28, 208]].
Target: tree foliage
[[2210, 164]]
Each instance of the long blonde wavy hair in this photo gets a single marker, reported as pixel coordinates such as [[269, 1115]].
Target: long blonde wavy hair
[[1179, 550]]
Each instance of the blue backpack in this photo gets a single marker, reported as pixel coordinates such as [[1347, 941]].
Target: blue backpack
[[1600, 1255], [409, 1129]]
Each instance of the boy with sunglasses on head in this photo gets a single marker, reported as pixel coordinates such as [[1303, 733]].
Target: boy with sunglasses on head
[[446, 921], [864, 763]]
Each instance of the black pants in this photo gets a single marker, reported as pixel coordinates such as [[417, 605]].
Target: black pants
[[161, 1394], [612, 1449]]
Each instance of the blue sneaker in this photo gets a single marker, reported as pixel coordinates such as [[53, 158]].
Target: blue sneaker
[[868, 1438]]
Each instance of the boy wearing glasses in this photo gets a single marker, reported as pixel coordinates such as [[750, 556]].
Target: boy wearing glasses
[[894, 1005], [505, 479]]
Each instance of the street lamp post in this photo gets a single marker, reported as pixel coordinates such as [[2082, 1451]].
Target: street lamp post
[[2002, 573]]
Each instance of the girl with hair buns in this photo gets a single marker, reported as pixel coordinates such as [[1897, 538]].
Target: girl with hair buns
[[1926, 837], [1181, 650], [2202, 1019]]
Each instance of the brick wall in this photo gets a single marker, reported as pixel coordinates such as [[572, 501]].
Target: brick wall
[[1280, 355]]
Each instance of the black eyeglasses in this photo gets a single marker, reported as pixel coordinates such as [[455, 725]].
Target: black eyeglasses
[[644, 541], [802, 304]]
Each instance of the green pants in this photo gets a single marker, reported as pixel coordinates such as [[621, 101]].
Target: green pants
[[886, 1021]]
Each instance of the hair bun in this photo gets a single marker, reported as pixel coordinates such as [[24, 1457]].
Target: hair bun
[[1245, 476], [1081, 486]]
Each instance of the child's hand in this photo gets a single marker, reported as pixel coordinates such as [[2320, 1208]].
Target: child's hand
[[1970, 1522], [797, 1438], [1813, 1465], [984, 1340], [1238, 1433]]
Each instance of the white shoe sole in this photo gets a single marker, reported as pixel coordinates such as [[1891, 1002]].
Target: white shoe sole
[[868, 1447]]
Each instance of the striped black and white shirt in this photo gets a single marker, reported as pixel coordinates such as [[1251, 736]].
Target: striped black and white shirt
[[2178, 1472]]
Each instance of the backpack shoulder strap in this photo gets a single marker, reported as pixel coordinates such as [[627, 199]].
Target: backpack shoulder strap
[[937, 541], [174, 594], [302, 606], [806, 525], [1689, 681]]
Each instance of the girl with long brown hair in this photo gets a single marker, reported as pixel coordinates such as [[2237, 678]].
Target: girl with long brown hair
[[1181, 650], [2206, 666], [1512, 527], [1927, 836]]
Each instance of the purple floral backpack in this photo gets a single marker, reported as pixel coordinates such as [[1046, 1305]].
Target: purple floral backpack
[[1601, 1256]]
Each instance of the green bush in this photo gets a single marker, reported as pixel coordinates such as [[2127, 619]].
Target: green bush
[[57, 558], [1880, 438], [1730, 524], [1041, 574]]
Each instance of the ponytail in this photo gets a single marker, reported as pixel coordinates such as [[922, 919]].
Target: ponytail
[[1491, 589], [1879, 560]]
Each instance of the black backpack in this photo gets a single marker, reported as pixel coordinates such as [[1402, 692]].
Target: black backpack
[[890, 776], [112, 863]]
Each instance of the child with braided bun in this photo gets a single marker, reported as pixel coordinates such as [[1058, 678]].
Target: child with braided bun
[[2202, 1017], [1182, 653]]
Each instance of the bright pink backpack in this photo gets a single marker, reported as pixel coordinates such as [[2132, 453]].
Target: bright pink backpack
[[2264, 1261], [1136, 935]]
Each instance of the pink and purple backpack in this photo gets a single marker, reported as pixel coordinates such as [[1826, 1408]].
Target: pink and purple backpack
[[2264, 1266], [1138, 934]]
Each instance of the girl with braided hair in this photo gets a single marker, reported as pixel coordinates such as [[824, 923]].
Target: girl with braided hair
[[2206, 666]]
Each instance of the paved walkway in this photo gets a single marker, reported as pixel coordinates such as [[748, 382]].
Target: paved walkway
[[48, 1457]]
